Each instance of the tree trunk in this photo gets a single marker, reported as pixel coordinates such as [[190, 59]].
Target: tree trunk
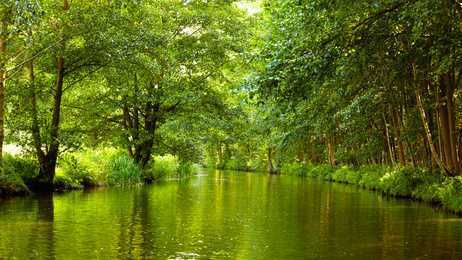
[[447, 125], [48, 162], [423, 116], [34, 111], [143, 148], [330, 151], [270, 160], [387, 135], [396, 119], [2, 88]]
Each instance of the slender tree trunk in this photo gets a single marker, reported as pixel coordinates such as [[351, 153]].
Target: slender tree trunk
[[423, 116], [397, 129], [34, 113], [270, 160], [3, 39], [447, 125], [128, 127], [387, 134], [451, 121], [330, 151]]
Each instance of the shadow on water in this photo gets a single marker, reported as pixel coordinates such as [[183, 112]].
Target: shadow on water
[[42, 236]]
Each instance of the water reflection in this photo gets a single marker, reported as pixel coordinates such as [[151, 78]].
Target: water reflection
[[226, 215]]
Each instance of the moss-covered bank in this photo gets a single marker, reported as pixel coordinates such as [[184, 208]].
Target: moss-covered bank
[[399, 181]]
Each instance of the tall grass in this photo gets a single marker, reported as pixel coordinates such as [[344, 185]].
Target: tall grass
[[97, 168], [122, 170]]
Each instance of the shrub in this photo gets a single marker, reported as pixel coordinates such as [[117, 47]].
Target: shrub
[[296, 168], [450, 193], [371, 175], [323, 172], [162, 166], [257, 165], [353, 177], [185, 168], [71, 167], [63, 182], [12, 184], [427, 185], [370, 180], [122, 170], [23, 167], [236, 165], [95, 168], [402, 181], [341, 174]]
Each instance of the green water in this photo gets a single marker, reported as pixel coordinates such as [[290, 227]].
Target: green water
[[226, 216]]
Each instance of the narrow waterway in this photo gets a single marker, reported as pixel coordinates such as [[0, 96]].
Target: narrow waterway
[[218, 215]]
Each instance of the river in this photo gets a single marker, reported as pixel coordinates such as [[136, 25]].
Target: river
[[226, 215]]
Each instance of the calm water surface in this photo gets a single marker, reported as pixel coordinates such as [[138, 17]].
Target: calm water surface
[[220, 215]]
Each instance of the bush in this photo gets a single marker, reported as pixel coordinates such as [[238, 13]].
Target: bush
[[63, 182], [353, 177], [450, 193], [371, 175], [23, 167], [185, 169], [96, 168], [162, 166], [236, 165], [323, 172], [296, 168], [397, 182], [12, 184], [122, 170], [72, 168], [341, 175], [427, 186], [407, 182], [257, 165]]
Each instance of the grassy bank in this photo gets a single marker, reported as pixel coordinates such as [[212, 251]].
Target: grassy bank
[[400, 181], [89, 168]]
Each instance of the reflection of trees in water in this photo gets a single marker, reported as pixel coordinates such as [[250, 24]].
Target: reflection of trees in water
[[135, 235], [42, 241]]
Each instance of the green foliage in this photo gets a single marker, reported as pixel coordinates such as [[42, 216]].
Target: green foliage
[[185, 169], [64, 183], [236, 164], [25, 168], [297, 169], [12, 184], [122, 170], [371, 176], [322, 172], [77, 169], [400, 181], [341, 174], [257, 165], [163, 166], [96, 168], [450, 194]]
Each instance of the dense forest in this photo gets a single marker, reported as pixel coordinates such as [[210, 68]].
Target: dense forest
[[114, 92]]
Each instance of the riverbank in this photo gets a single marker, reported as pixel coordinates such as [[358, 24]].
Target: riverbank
[[87, 169], [400, 181]]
